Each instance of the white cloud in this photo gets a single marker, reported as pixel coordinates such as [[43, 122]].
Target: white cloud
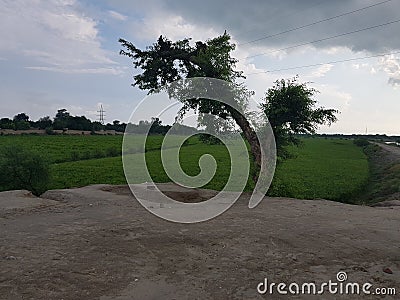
[[54, 34], [391, 65], [333, 96], [117, 16], [321, 71], [98, 70], [172, 26]]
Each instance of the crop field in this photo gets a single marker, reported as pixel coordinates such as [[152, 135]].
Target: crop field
[[321, 168], [65, 148]]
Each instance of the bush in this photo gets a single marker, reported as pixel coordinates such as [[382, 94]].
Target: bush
[[113, 152], [361, 142], [23, 169], [74, 155], [97, 153], [49, 131]]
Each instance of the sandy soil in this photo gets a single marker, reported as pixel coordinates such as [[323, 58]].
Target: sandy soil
[[98, 242]]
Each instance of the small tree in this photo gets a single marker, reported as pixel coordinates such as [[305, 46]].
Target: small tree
[[6, 123], [44, 122], [23, 169], [291, 110], [61, 119]]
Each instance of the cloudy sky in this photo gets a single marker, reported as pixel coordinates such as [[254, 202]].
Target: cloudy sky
[[64, 53]]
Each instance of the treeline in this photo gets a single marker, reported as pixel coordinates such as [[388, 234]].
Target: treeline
[[371, 137], [64, 121]]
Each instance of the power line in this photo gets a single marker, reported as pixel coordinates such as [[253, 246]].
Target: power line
[[325, 39], [280, 16], [326, 63], [314, 23]]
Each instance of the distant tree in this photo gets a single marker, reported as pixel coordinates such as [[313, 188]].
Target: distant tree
[[21, 117], [23, 169], [97, 126], [183, 129], [291, 110], [44, 123], [22, 125], [6, 123], [62, 114], [142, 127], [61, 119], [79, 123], [157, 127]]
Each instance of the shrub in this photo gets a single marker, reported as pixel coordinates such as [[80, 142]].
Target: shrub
[[86, 155], [112, 152], [361, 142], [97, 153], [49, 131], [23, 169], [74, 155]]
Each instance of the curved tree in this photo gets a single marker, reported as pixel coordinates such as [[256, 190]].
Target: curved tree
[[166, 61]]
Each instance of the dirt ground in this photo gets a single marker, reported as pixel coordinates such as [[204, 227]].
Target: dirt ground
[[98, 242]]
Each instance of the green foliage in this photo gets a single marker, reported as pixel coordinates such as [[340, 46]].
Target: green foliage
[[165, 62], [23, 169], [74, 155], [361, 142], [209, 139], [323, 168], [21, 117], [63, 148], [49, 131], [112, 152], [21, 125], [6, 123], [291, 110]]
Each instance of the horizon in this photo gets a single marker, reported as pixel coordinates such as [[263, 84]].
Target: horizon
[[195, 126]]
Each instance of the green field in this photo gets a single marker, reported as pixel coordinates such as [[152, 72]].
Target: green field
[[322, 168]]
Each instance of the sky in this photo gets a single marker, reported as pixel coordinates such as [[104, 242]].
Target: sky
[[65, 53]]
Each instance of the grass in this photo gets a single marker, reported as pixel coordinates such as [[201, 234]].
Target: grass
[[384, 181], [65, 148], [110, 170], [322, 168]]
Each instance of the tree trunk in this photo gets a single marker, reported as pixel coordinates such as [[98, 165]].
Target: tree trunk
[[250, 136]]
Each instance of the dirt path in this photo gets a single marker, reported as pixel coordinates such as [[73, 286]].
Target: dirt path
[[89, 243], [392, 149]]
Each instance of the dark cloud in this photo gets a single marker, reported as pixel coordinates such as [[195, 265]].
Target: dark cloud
[[249, 20]]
